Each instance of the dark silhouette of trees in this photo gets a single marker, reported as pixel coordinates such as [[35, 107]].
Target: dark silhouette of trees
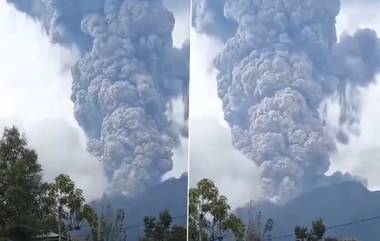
[[316, 233], [68, 204], [255, 230], [29, 206], [24, 204], [161, 229], [210, 216]]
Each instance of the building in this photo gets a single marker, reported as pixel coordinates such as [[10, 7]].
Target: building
[[52, 237]]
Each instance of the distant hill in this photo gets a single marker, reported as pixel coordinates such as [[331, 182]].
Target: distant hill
[[171, 195], [340, 203]]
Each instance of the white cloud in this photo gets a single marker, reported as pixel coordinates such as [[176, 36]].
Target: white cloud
[[358, 14], [181, 11], [181, 32], [211, 152], [61, 149], [203, 90], [362, 155], [212, 156], [180, 160], [35, 89]]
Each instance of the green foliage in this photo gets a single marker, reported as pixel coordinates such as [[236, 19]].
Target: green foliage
[[255, 230], [24, 204], [105, 223], [161, 229], [69, 203], [178, 233], [28, 206], [89, 215], [316, 233], [111, 225], [210, 217]]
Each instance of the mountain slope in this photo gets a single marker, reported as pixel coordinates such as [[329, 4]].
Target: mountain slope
[[336, 204]]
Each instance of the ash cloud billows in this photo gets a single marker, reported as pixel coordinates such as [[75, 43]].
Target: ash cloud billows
[[61, 18], [208, 17], [123, 90], [32, 8], [282, 63], [124, 84], [355, 61]]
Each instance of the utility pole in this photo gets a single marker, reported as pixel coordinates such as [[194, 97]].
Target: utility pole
[[119, 231], [200, 222], [59, 223], [200, 227]]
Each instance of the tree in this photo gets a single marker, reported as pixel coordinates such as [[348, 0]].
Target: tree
[[30, 207], [210, 216], [24, 205], [255, 230], [178, 233], [110, 225], [316, 233], [161, 229], [105, 223], [69, 205], [119, 229]]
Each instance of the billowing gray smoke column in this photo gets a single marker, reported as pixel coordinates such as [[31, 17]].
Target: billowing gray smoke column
[[282, 63], [32, 8], [355, 61], [208, 16], [62, 18], [124, 86]]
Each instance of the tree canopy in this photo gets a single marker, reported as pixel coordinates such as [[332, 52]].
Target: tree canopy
[[29, 206], [316, 233], [210, 216], [162, 229], [24, 204]]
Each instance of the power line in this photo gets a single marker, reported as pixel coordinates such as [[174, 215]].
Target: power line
[[354, 222], [291, 235], [127, 227], [279, 237], [332, 227]]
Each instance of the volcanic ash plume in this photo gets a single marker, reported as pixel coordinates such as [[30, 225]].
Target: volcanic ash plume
[[275, 72], [355, 61], [207, 16], [61, 18], [125, 85], [122, 91]]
